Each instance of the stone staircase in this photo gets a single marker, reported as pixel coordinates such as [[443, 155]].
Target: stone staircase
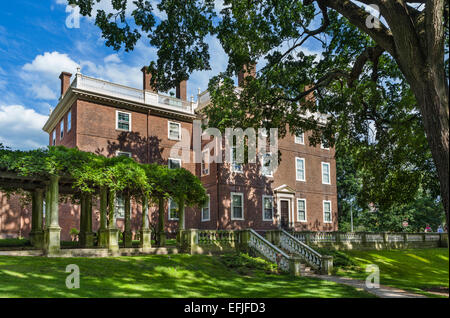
[[289, 253]]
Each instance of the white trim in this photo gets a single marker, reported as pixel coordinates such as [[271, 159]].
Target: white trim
[[306, 214], [329, 172], [263, 208], [168, 130], [173, 159], [124, 152], [61, 129], [323, 147], [304, 169], [232, 208], [209, 210], [117, 120], [168, 214], [204, 160], [303, 139], [331, 212]]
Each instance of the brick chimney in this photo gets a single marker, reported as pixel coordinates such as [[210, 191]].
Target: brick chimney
[[181, 90], [65, 82], [246, 72], [147, 76]]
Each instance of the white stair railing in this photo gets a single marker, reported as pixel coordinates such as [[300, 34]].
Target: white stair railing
[[293, 245], [268, 250]]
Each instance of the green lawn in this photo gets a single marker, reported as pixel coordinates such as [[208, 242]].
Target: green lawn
[[157, 276], [413, 269]]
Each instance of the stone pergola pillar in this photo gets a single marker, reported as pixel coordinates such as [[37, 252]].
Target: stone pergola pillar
[[145, 236], [37, 232], [86, 234], [112, 233], [127, 235], [52, 229], [102, 232]]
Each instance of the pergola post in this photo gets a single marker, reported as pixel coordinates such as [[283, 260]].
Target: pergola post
[[52, 229], [127, 235], [86, 234], [161, 228], [37, 233], [102, 235], [145, 236], [112, 233]]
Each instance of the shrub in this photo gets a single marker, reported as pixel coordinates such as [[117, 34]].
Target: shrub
[[245, 264]]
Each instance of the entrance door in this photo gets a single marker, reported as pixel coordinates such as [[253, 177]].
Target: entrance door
[[284, 213]]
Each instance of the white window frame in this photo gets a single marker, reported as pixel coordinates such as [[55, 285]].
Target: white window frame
[[168, 214], [263, 207], [54, 137], [118, 152], [173, 159], [204, 163], [117, 120], [116, 211], [262, 165], [329, 172], [61, 129], [232, 164], [323, 147], [331, 212], [296, 137], [168, 130], [69, 121], [306, 213], [296, 169], [232, 207], [209, 210]]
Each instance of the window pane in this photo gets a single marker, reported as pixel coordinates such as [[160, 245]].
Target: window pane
[[69, 121], [237, 213], [174, 164], [174, 131], [300, 169], [237, 200]]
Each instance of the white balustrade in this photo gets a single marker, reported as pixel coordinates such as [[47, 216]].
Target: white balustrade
[[268, 250], [292, 245]]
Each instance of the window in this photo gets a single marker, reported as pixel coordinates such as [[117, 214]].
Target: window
[[237, 206], [324, 145], [123, 153], [69, 120], [205, 162], [300, 138], [173, 210], [300, 168], [327, 211], [174, 163], [123, 121], [119, 206], [301, 210], [325, 173], [266, 165], [267, 208], [61, 129], [54, 137], [205, 211], [236, 167], [174, 131]]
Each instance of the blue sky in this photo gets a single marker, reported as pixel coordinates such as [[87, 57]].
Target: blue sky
[[36, 45]]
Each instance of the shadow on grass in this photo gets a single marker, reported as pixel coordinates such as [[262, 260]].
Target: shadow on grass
[[154, 276]]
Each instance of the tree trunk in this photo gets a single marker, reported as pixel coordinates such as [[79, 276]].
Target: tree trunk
[[161, 235], [431, 93]]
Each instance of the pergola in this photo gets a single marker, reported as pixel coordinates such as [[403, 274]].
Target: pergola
[[46, 235]]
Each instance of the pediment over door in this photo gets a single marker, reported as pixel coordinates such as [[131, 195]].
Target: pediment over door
[[284, 189]]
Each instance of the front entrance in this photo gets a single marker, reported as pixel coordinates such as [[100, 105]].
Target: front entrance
[[284, 213]]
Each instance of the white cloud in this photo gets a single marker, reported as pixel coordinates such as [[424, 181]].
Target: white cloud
[[51, 64], [21, 127], [112, 58]]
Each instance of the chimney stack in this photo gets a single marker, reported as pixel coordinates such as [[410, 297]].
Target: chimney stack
[[246, 72], [65, 82], [147, 76], [181, 90]]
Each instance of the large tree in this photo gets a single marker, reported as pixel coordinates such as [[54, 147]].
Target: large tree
[[414, 37]]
